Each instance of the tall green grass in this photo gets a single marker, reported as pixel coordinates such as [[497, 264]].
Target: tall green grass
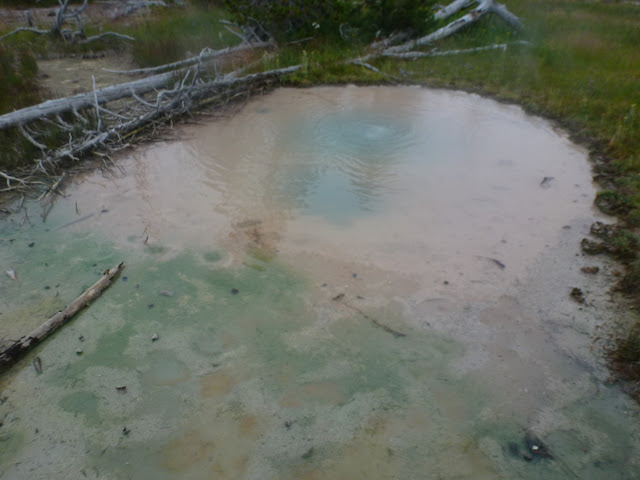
[[170, 35]]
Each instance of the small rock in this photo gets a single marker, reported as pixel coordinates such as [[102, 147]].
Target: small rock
[[338, 297], [590, 270], [154, 337], [124, 279], [308, 454], [446, 282], [32, 244], [121, 388], [150, 305], [355, 275], [287, 424], [536, 446], [546, 181], [577, 295], [166, 293], [126, 431], [79, 351], [81, 338], [234, 291]]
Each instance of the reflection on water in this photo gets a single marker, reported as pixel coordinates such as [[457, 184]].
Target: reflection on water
[[346, 162], [359, 283]]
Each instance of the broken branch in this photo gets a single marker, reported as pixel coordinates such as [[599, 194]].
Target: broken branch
[[18, 348]]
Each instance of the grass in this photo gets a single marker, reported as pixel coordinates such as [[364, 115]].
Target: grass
[[166, 37]]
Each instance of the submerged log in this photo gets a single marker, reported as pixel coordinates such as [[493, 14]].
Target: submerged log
[[18, 348]]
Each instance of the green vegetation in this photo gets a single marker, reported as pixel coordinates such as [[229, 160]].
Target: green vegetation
[[18, 77], [166, 37], [290, 19]]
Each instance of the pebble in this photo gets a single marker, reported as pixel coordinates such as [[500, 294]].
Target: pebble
[[79, 351], [154, 337]]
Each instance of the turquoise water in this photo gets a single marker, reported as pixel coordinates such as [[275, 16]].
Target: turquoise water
[[311, 323]]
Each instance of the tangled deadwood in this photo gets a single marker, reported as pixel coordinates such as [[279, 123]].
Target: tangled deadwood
[[110, 118], [406, 50], [64, 15]]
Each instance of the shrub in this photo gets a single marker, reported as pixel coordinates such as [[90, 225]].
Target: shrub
[[18, 71], [295, 18]]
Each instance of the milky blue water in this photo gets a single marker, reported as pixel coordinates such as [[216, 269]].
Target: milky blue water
[[318, 270]]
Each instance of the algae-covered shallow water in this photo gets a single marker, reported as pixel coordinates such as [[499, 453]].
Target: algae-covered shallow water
[[345, 282]]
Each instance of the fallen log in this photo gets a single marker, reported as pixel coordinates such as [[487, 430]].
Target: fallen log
[[484, 7], [108, 94], [186, 97], [442, 53], [85, 100], [206, 54], [18, 348], [452, 8]]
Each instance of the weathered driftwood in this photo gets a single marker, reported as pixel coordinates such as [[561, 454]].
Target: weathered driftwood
[[451, 9], [15, 351], [64, 14], [114, 92], [484, 7], [184, 97], [405, 50], [85, 100], [206, 54], [442, 53], [131, 7]]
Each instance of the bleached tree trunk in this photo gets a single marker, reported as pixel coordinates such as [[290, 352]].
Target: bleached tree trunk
[[452, 8], [484, 7]]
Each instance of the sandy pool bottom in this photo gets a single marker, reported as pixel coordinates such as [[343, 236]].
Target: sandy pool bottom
[[345, 282]]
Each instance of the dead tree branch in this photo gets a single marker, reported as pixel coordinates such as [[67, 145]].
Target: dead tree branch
[[441, 53], [24, 29], [17, 349], [451, 9], [63, 15], [484, 7], [206, 54], [107, 34]]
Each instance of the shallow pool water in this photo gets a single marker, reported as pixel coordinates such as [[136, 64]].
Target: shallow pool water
[[345, 283]]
